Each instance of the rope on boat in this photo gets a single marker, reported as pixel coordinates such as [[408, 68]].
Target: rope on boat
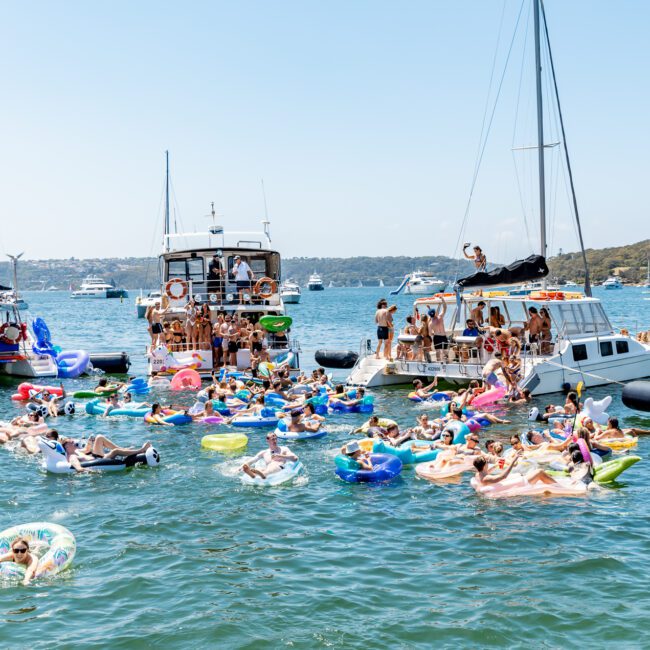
[[583, 372]]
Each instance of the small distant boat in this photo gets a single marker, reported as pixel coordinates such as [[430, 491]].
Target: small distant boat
[[612, 283], [381, 283], [290, 292], [331, 284], [315, 282], [96, 287], [570, 284], [52, 288], [142, 303], [530, 287]]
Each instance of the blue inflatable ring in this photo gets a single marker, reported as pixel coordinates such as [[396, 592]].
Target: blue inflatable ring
[[385, 468]]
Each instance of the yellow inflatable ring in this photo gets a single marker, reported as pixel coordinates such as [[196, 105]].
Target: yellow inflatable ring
[[619, 443], [224, 441]]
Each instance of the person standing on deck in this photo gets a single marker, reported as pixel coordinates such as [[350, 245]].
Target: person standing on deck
[[243, 276], [382, 321], [479, 259]]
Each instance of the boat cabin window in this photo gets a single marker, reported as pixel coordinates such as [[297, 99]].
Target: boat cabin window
[[190, 268], [262, 265], [579, 352], [606, 349], [622, 347]]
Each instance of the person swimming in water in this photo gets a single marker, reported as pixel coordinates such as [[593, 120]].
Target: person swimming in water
[[19, 553]]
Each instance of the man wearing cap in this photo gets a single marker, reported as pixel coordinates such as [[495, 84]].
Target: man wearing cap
[[243, 276]]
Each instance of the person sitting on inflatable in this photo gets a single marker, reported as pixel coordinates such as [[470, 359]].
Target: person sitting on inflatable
[[311, 419], [20, 554], [156, 416], [50, 401], [422, 391], [613, 430], [584, 434], [361, 393], [471, 446], [103, 387], [374, 430], [102, 447], [426, 430], [544, 440], [21, 426], [362, 458], [275, 458], [446, 442]]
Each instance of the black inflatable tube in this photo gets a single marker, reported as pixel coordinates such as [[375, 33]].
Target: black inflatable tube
[[636, 395], [114, 363], [336, 358]]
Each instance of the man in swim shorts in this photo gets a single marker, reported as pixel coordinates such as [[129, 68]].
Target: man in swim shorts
[[490, 369], [275, 458]]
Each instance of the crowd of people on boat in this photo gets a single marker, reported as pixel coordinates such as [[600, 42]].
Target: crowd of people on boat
[[225, 333]]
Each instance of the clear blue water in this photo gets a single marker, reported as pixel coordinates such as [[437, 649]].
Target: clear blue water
[[185, 556]]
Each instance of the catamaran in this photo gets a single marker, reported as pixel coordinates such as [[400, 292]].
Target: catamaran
[[583, 346]]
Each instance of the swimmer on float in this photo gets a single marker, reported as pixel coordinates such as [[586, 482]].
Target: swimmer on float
[[422, 391], [51, 402], [275, 458], [614, 430], [354, 451], [103, 387], [21, 426], [19, 553]]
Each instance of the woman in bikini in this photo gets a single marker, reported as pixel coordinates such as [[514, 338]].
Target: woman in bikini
[[177, 338]]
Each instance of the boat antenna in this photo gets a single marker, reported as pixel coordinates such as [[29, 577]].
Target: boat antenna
[[568, 161], [266, 223], [166, 233], [14, 261], [540, 132]]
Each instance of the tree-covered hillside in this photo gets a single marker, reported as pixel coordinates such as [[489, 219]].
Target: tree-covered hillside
[[629, 262]]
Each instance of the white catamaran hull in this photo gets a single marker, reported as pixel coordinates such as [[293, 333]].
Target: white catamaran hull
[[541, 374]]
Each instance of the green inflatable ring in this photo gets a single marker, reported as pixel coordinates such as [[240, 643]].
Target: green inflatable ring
[[276, 323]]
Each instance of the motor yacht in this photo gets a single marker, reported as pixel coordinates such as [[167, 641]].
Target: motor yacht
[[95, 287], [290, 292], [315, 282]]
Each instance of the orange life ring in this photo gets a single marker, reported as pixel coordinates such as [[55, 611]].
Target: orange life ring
[[261, 282], [173, 282]]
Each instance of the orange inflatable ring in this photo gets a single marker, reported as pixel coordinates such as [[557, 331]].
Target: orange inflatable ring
[[273, 287], [174, 282]]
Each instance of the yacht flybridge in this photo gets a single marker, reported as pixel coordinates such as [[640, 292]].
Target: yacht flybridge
[[203, 266], [583, 345]]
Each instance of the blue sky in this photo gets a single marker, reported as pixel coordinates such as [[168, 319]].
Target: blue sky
[[363, 118]]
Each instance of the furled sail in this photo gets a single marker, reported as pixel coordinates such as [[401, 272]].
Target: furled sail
[[532, 268]]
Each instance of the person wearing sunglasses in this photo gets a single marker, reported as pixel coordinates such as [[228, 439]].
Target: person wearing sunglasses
[[471, 446], [446, 442], [275, 458], [19, 553]]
